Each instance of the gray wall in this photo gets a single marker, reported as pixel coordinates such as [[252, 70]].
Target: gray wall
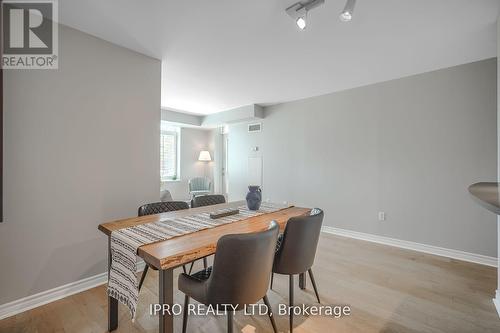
[[409, 147], [81, 148], [193, 140]]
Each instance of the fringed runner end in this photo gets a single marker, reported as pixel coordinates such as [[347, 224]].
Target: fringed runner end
[[124, 300]]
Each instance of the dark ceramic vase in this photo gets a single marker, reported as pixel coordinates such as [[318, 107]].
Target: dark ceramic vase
[[254, 197]]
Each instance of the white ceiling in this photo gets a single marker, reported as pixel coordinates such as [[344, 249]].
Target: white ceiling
[[221, 54]]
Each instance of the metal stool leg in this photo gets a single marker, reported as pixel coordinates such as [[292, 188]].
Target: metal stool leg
[[302, 281], [270, 313], [230, 321], [191, 268], [314, 284], [185, 314], [290, 296]]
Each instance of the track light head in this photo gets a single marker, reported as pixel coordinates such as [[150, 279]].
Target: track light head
[[301, 20], [346, 14], [298, 11]]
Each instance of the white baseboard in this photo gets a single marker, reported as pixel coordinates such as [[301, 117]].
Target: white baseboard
[[48, 296], [36, 300], [439, 251], [496, 301], [33, 301]]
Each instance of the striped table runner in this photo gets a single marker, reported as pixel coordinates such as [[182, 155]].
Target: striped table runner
[[122, 283]]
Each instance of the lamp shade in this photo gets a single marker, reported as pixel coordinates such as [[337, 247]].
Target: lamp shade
[[205, 156]]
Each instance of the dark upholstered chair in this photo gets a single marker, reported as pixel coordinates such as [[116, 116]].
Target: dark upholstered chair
[[240, 274], [207, 200], [297, 249], [161, 207], [158, 208]]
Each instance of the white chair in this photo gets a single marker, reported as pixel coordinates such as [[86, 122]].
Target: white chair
[[166, 196], [199, 186]]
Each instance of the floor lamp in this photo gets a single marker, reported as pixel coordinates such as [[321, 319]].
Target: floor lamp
[[205, 157]]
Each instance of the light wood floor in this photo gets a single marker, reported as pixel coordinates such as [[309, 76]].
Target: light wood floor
[[388, 289]]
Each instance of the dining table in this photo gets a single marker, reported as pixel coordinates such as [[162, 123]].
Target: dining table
[[166, 255]]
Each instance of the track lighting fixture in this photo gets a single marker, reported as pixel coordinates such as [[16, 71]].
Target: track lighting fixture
[[346, 14], [298, 11]]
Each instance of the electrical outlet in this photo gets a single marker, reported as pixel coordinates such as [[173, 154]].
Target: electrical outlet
[[381, 216]]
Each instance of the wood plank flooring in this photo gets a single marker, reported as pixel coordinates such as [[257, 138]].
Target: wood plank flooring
[[388, 289]]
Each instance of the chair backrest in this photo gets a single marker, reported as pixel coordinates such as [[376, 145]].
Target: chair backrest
[[242, 267], [162, 207], [208, 200], [298, 247], [199, 184]]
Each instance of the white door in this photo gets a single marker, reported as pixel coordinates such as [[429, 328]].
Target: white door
[[224, 170]]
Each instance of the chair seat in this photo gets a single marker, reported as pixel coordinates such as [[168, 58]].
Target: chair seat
[[194, 285], [200, 192]]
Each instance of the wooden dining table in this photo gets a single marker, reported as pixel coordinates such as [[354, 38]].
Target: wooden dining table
[[171, 253]]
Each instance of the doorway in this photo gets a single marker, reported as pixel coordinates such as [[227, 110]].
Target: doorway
[[224, 166]]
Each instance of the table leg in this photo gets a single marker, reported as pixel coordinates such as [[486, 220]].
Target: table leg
[[302, 281], [166, 293], [112, 302]]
